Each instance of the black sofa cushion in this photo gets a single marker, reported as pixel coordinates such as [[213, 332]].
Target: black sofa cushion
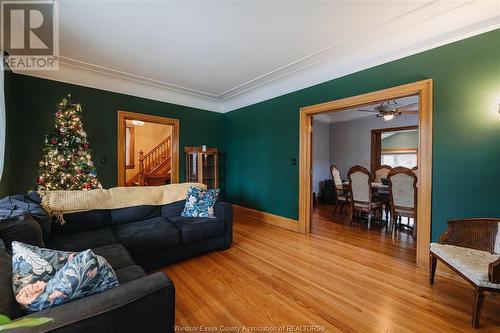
[[20, 226], [82, 221], [30, 205], [194, 229], [116, 255], [134, 214], [129, 273], [173, 209], [8, 304], [83, 240], [148, 236]]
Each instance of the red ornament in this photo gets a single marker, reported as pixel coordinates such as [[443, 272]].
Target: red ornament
[[58, 114], [86, 145], [64, 163], [40, 180], [53, 141]]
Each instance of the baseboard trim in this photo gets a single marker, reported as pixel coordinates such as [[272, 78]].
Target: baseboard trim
[[275, 220]]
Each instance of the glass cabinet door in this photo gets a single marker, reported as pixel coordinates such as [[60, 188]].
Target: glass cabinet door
[[208, 163], [192, 167]]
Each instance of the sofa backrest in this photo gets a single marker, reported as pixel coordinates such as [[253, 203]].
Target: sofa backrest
[[82, 221], [97, 219], [134, 214], [20, 226]]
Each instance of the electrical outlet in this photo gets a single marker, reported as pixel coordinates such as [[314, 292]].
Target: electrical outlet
[[294, 161]]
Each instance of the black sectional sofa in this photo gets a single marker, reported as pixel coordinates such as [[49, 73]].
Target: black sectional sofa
[[133, 240]]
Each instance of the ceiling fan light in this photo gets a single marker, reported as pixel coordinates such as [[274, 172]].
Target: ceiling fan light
[[388, 117]]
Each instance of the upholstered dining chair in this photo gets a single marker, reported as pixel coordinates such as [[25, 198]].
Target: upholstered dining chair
[[336, 176], [381, 172], [415, 170], [342, 197], [403, 195], [362, 199]]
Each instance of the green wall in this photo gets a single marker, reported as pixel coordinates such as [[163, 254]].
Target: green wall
[[261, 139], [34, 105], [401, 140]]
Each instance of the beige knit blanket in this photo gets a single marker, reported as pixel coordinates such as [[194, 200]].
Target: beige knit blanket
[[58, 203]]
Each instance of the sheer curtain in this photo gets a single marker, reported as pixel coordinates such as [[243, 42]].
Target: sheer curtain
[[2, 118]]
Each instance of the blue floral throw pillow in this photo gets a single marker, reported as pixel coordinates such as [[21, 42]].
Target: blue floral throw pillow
[[43, 278], [200, 203]]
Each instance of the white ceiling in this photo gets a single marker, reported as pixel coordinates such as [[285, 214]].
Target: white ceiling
[[354, 113], [222, 55]]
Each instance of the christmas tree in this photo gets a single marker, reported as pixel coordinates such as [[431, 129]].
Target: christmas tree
[[67, 160]]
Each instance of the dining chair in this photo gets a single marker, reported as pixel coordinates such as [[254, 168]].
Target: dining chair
[[415, 170], [336, 176], [362, 199], [403, 196], [342, 197], [381, 172]]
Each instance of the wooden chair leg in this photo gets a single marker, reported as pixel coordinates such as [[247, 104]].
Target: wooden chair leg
[[414, 229], [352, 215], [432, 268], [478, 307], [334, 210]]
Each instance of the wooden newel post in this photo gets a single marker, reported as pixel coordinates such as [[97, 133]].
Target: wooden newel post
[[141, 168]]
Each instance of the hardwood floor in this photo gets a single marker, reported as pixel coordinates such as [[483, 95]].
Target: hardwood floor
[[333, 277], [399, 244]]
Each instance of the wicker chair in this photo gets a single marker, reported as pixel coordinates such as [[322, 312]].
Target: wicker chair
[[471, 248], [362, 198]]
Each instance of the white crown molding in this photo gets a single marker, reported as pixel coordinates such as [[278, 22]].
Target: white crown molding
[[403, 37], [115, 83]]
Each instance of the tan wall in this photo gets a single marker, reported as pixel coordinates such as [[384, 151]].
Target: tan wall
[[147, 137]]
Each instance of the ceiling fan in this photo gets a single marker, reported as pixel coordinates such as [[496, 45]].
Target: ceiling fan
[[388, 110]]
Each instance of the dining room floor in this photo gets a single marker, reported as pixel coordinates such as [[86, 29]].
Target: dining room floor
[[400, 244]]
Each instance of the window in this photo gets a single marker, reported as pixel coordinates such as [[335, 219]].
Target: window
[[404, 159], [3, 125]]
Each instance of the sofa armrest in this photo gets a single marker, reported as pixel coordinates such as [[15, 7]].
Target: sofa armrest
[[224, 210], [494, 271], [475, 233], [143, 305]]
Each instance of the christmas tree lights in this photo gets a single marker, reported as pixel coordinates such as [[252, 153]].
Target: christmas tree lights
[[67, 159]]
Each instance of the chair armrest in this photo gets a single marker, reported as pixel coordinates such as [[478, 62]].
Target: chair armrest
[[143, 305], [475, 233], [494, 271]]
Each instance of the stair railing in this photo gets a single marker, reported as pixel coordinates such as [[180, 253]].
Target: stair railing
[[152, 159]]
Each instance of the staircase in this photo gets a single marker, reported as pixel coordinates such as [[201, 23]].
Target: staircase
[[154, 166]]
